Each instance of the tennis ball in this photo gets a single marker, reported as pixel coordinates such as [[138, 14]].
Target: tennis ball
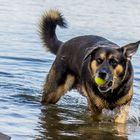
[[99, 81]]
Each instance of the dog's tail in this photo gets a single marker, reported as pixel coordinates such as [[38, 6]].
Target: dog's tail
[[47, 28]]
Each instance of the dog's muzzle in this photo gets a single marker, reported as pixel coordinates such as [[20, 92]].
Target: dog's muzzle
[[106, 87], [109, 81]]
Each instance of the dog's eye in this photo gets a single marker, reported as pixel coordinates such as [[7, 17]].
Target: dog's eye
[[99, 61], [113, 62]]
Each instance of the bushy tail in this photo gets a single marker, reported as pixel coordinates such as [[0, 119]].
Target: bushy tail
[[48, 24]]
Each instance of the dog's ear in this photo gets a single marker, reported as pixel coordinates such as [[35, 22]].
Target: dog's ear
[[130, 49], [87, 58], [90, 51]]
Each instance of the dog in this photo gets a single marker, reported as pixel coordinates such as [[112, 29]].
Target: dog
[[81, 59]]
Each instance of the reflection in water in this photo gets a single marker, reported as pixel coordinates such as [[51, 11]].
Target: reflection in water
[[59, 123], [24, 65]]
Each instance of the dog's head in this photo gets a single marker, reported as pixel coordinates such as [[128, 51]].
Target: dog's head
[[110, 63]]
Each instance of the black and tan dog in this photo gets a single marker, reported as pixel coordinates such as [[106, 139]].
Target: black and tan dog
[[79, 60]]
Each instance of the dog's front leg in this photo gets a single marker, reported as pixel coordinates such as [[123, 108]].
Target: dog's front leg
[[122, 113], [96, 113]]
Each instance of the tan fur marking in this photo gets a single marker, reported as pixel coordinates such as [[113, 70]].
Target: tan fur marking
[[63, 88], [84, 91], [122, 113], [53, 97], [102, 55], [96, 104], [123, 109], [54, 14], [125, 98], [118, 70], [110, 56], [100, 103], [50, 77], [93, 66]]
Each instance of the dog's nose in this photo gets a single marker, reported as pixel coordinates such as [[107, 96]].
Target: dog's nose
[[102, 74]]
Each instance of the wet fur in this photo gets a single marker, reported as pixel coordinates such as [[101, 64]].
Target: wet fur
[[75, 66]]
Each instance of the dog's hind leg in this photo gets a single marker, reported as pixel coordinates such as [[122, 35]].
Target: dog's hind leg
[[58, 82]]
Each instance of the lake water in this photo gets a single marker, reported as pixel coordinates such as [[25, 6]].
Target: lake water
[[24, 64]]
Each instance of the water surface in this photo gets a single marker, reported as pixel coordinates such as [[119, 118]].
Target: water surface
[[24, 64]]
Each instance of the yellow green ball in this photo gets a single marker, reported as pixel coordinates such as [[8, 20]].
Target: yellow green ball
[[99, 81]]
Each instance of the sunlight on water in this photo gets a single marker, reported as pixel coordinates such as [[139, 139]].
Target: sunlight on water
[[24, 64]]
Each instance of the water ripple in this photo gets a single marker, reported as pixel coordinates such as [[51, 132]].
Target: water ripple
[[22, 59], [24, 64]]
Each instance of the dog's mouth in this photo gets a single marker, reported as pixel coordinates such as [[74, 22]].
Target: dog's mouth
[[106, 87]]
